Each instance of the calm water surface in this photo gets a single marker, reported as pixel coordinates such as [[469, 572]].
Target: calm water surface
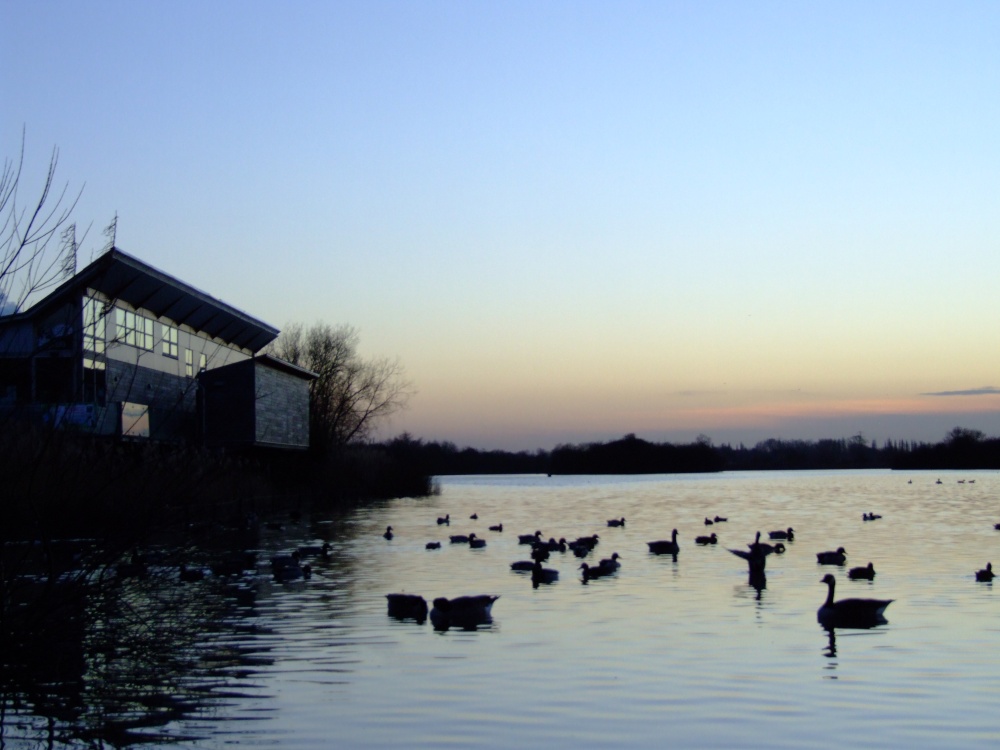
[[680, 651]]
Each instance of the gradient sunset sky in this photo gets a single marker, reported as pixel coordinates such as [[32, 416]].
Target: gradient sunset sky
[[568, 220]]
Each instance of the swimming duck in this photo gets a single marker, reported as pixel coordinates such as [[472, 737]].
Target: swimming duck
[[721, 519], [540, 552], [463, 611], [616, 522], [444, 521], [866, 573], [788, 534], [388, 532], [850, 613], [986, 574], [709, 522], [524, 566], [543, 575], [703, 540], [832, 558], [498, 527], [665, 547], [474, 516], [313, 550], [407, 607], [529, 538], [460, 538], [475, 542], [553, 546], [871, 517], [611, 564], [592, 572], [432, 545]]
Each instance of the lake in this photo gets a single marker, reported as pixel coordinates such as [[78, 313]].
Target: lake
[[682, 652]]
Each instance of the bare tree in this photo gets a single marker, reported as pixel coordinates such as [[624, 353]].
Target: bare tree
[[352, 394], [38, 243]]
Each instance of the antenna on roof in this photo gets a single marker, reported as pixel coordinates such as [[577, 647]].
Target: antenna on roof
[[111, 232]]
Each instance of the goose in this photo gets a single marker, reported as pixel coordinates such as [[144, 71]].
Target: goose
[[850, 613], [474, 516], [788, 534], [721, 519], [444, 521], [529, 538], [616, 522], [986, 574], [996, 526], [611, 563], [475, 542], [871, 516], [498, 527], [388, 532], [524, 566], [832, 558], [592, 572], [709, 522], [703, 540], [407, 607], [460, 538], [665, 547], [587, 542], [866, 573], [432, 545], [553, 546], [463, 611], [543, 575]]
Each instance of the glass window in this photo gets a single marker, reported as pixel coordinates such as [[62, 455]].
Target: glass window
[[169, 341], [93, 325], [134, 330], [202, 362], [189, 363]]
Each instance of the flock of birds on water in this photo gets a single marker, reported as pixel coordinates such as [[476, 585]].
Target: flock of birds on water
[[468, 612]]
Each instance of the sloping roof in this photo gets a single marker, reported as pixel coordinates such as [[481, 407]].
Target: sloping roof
[[121, 276]]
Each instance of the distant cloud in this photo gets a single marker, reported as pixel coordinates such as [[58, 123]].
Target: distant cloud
[[986, 390]]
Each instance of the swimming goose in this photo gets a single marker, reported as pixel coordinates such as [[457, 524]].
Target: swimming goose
[[432, 545], [584, 542], [788, 534], [529, 538], [475, 542], [460, 538], [474, 516], [721, 519], [703, 540], [986, 574], [407, 607], [498, 527], [996, 526], [463, 611], [444, 521], [664, 546], [709, 521], [388, 532], [832, 558], [871, 517], [850, 613], [616, 522], [524, 566], [592, 572], [866, 573], [553, 546], [543, 575]]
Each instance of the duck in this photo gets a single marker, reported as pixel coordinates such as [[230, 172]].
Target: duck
[[460, 538], [590, 572], [665, 547], [463, 611], [996, 526], [524, 566], [444, 520], [709, 521], [475, 542], [866, 573], [721, 519], [986, 574], [190, 575], [611, 563], [788, 534], [388, 532], [312, 550], [540, 552], [615, 522], [432, 545], [832, 558], [710, 539], [529, 538], [870, 517], [474, 516], [498, 527], [585, 542], [553, 546], [407, 607], [543, 575], [850, 613], [763, 548]]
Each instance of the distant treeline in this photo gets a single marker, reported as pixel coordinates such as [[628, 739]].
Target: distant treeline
[[961, 449]]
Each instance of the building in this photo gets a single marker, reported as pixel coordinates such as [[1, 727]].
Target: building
[[124, 349]]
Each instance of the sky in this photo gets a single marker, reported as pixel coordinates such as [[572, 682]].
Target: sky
[[568, 221]]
